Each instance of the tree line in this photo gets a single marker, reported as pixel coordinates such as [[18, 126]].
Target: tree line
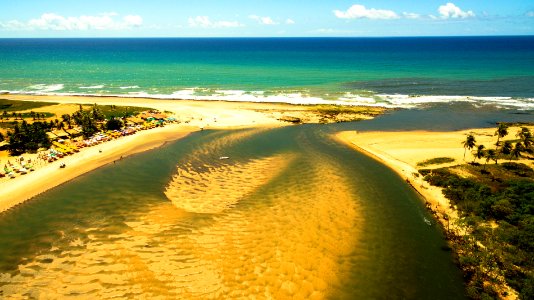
[[506, 149], [25, 137], [494, 236]]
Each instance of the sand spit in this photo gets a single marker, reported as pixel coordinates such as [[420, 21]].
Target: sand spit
[[402, 151], [16, 191]]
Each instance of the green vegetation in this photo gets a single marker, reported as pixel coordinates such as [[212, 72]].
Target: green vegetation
[[6, 118], [469, 143], [14, 105], [114, 124], [494, 236], [435, 161], [87, 120], [489, 253], [28, 137], [109, 111]]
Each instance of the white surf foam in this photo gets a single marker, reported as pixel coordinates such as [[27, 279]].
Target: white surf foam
[[296, 97], [45, 88], [92, 87]]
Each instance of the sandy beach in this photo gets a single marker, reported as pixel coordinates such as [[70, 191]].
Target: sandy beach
[[206, 114], [18, 190], [402, 151], [193, 115]]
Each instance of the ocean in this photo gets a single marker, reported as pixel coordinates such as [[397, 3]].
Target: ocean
[[391, 72]]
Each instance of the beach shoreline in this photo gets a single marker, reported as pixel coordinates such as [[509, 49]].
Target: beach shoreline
[[16, 191], [405, 151], [191, 116], [431, 195]]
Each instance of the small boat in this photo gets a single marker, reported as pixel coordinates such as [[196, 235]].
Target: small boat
[[224, 157], [428, 222]]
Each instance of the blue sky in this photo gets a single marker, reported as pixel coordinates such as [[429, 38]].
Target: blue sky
[[277, 18]]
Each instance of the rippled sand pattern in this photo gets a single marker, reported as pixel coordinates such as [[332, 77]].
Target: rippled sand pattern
[[220, 187], [286, 229]]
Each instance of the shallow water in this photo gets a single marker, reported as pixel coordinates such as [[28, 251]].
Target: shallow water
[[291, 213]]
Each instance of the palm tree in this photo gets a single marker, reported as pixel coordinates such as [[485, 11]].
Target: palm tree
[[525, 136], [506, 148], [501, 132], [480, 152], [516, 151], [490, 155], [469, 143]]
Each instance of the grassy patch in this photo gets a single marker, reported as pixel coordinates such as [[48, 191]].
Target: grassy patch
[[119, 111], [15, 105], [435, 161]]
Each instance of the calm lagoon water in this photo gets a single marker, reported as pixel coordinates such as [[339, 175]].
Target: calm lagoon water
[[304, 216]]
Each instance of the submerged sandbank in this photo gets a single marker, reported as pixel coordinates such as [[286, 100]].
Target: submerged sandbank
[[193, 115]]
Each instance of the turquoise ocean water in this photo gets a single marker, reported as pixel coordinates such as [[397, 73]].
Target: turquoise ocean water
[[317, 219], [398, 72]]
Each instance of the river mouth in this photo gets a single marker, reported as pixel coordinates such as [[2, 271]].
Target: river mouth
[[290, 213]]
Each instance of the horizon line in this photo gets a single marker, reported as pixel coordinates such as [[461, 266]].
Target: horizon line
[[267, 37]]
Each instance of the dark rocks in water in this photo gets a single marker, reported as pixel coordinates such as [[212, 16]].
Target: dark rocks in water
[[290, 119]]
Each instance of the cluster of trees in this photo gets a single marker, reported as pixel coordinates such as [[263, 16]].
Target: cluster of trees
[[28, 137], [489, 253], [16, 116], [506, 149], [494, 236], [88, 120]]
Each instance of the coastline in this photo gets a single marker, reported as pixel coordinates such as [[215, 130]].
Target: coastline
[[433, 197], [402, 151], [19, 190], [192, 115]]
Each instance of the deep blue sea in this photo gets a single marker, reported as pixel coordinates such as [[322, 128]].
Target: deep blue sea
[[394, 72]]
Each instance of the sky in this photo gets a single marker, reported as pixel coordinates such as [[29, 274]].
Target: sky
[[255, 18]]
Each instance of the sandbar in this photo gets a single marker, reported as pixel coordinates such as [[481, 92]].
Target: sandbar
[[193, 116], [402, 151]]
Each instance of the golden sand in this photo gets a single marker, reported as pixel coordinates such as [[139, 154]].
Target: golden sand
[[194, 115], [18, 190], [287, 236], [402, 151]]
